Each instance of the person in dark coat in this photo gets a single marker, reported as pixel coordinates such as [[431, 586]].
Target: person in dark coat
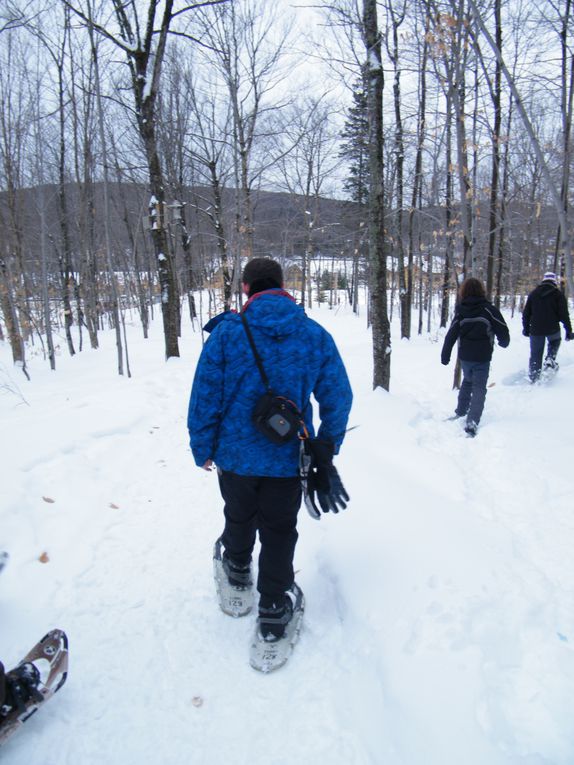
[[546, 307], [475, 324], [258, 479]]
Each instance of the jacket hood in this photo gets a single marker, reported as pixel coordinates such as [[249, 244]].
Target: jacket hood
[[274, 312], [546, 288], [471, 306]]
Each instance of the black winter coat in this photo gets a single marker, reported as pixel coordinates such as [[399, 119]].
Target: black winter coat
[[476, 323], [545, 308]]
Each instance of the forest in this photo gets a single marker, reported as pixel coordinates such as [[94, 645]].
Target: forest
[[149, 149]]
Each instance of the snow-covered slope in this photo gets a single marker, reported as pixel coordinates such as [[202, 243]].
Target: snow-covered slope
[[439, 627]]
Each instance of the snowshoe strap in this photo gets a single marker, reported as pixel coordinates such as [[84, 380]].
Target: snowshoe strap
[[273, 618], [276, 615], [242, 577], [22, 685]]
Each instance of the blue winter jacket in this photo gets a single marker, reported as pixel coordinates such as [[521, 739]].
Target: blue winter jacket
[[299, 357]]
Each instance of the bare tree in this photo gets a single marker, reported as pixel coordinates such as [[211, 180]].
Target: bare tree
[[308, 161], [15, 121], [144, 47], [377, 254], [494, 218], [56, 49], [249, 58], [206, 147], [550, 181], [416, 197], [108, 246], [405, 290], [566, 107]]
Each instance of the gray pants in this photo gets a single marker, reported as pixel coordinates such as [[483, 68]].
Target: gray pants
[[472, 393], [537, 343]]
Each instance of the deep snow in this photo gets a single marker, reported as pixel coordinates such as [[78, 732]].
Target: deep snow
[[439, 627]]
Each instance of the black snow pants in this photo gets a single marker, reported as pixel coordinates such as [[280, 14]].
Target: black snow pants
[[268, 506]]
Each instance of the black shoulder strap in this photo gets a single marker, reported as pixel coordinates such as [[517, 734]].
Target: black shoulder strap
[[255, 353]]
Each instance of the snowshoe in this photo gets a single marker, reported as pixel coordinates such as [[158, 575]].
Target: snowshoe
[[471, 429], [268, 651], [234, 584], [549, 370], [3, 559], [41, 673]]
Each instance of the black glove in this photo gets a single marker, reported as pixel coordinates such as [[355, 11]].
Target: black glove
[[569, 336], [526, 332], [444, 361], [323, 479]]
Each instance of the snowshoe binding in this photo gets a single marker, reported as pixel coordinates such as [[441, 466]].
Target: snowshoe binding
[[277, 631], [234, 584], [27, 687]]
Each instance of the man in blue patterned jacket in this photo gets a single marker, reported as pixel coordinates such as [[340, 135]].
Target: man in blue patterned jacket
[[259, 480]]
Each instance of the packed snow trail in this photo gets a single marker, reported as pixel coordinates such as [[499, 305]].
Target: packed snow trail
[[440, 618]]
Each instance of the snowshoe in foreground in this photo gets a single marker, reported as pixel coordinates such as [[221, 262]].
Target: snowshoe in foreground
[[3, 559], [41, 673], [269, 652], [235, 596]]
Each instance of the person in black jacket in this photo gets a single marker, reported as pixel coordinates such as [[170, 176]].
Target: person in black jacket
[[475, 324], [545, 308]]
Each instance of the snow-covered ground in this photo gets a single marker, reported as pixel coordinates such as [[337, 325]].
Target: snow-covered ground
[[439, 627]]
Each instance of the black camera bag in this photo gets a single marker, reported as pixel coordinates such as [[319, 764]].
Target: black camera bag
[[276, 417]]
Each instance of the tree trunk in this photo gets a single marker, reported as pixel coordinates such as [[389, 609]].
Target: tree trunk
[[501, 259], [449, 233], [164, 259], [493, 219], [217, 220], [404, 292], [102, 135], [11, 316], [65, 249], [416, 199], [377, 254]]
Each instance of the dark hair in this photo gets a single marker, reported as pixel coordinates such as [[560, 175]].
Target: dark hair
[[262, 274], [471, 287]]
